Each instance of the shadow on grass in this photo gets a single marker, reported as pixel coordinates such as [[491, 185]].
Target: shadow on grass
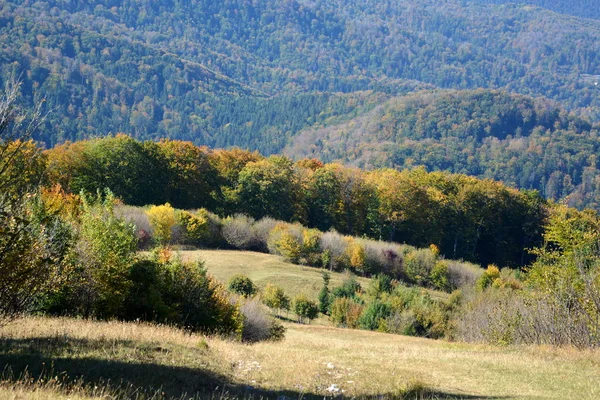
[[140, 377]]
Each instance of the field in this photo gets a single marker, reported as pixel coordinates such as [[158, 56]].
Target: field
[[61, 358], [266, 268], [87, 359]]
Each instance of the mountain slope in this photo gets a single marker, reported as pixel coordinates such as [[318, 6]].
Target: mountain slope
[[525, 142], [165, 68]]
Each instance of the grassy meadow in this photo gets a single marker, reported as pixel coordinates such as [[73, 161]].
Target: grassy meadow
[[265, 268], [64, 358], [81, 359]]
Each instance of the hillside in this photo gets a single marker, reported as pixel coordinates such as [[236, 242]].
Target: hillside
[[223, 73], [524, 142], [100, 359], [579, 8]]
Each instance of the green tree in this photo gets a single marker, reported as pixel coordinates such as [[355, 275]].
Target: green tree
[[274, 297], [305, 309], [242, 285]]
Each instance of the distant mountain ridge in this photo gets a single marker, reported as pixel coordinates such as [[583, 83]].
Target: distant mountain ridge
[[578, 8], [524, 142], [260, 74]]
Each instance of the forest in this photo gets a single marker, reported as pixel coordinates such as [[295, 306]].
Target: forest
[[119, 66], [477, 220], [524, 142]]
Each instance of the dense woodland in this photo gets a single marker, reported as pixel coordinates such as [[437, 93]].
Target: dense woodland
[[163, 69], [521, 141], [579, 8], [68, 246], [478, 220]]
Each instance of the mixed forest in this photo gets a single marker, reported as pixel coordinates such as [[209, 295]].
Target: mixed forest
[[225, 74]]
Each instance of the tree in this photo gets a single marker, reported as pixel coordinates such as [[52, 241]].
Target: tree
[[266, 188], [242, 285], [324, 296], [163, 219], [192, 178], [33, 242], [566, 274], [274, 297], [305, 309]]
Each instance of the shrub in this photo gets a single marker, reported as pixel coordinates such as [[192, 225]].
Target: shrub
[[349, 288], [162, 219], [242, 285], [105, 253], [139, 218], [258, 325], [286, 240], [374, 315], [345, 312], [489, 276], [311, 251], [463, 274], [198, 301], [418, 265], [196, 230], [274, 297], [261, 230], [439, 276], [334, 245], [34, 255], [380, 284], [356, 255], [414, 313], [238, 232], [305, 309]]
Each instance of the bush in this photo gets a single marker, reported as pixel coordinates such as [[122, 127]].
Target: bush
[[380, 284], [345, 312], [242, 285], [261, 230], [196, 230], [139, 218], [286, 240], [162, 219], [384, 257], [305, 309], [462, 274], [418, 264], [311, 251], [274, 297], [238, 232], [34, 255], [489, 276], [258, 325], [105, 253], [198, 301], [350, 288], [439, 276], [334, 245], [414, 313], [356, 255], [374, 315]]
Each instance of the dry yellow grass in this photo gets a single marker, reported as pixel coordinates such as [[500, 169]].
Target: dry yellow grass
[[310, 360]]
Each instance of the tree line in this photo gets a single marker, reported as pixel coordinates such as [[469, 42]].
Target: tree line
[[477, 220]]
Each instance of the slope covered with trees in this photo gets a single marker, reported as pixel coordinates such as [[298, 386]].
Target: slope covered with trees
[[524, 142], [579, 8], [195, 71], [478, 220]]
